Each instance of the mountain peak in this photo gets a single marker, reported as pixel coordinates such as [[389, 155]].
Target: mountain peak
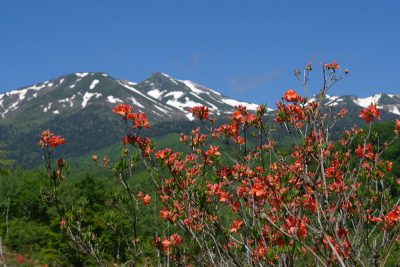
[[160, 78], [161, 97]]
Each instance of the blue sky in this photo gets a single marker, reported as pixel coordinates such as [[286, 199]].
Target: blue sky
[[245, 49]]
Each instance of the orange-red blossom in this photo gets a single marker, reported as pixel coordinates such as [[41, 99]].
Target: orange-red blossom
[[49, 139], [146, 199], [397, 127], [392, 218], [125, 111], [168, 243], [332, 66], [370, 113], [122, 110], [236, 225], [200, 112], [291, 96]]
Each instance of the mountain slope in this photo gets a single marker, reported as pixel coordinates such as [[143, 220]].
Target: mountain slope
[[386, 102], [161, 97], [78, 107]]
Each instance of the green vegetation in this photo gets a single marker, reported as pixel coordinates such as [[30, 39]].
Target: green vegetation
[[28, 227]]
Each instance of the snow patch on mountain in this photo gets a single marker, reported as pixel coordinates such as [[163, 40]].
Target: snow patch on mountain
[[175, 94], [113, 100], [190, 116], [78, 80], [136, 91], [93, 84], [183, 106], [395, 110], [333, 100], [156, 93], [82, 74], [135, 102], [365, 102], [233, 103], [68, 100], [45, 109], [192, 86], [87, 96]]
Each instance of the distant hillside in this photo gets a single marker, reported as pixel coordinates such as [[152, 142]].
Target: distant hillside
[[78, 107]]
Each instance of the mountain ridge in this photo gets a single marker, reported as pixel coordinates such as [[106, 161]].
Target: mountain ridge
[[78, 107], [171, 97]]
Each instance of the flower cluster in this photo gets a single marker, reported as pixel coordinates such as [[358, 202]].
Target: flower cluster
[[390, 219], [291, 96], [125, 111], [146, 199], [48, 139], [200, 112], [397, 127], [167, 244], [370, 113], [332, 66]]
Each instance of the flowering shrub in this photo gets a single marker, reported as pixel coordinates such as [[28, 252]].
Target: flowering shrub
[[244, 202]]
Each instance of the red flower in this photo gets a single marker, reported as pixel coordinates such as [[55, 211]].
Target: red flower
[[19, 259], [144, 198], [49, 139], [370, 113], [389, 166], [332, 66], [394, 215], [56, 140], [236, 225], [291, 96], [366, 152], [163, 154], [200, 112], [165, 214], [139, 119], [122, 110], [213, 151], [128, 139], [258, 189], [397, 127], [145, 145], [296, 226], [175, 239], [166, 244]]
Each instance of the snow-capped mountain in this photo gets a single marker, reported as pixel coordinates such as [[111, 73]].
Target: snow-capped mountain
[[78, 107], [161, 97], [386, 102]]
